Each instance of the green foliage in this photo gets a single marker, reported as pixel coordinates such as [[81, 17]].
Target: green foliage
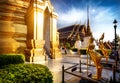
[[25, 73], [6, 59], [74, 49], [68, 45], [83, 51]]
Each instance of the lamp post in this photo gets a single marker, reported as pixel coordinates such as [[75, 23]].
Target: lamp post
[[115, 26], [115, 49]]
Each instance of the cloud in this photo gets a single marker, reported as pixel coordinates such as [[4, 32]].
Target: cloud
[[73, 16], [101, 20], [102, 14]]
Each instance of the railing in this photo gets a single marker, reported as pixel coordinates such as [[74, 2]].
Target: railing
[[74, 68]]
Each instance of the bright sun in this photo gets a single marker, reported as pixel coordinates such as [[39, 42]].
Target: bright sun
[[93, 10]]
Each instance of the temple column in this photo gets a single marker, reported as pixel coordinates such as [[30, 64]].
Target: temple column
[[35, 42], [55, 37]]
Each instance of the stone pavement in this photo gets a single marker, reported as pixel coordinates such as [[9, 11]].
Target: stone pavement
[[55, 66]]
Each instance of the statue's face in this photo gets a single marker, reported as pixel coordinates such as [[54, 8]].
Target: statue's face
[[91, 40]]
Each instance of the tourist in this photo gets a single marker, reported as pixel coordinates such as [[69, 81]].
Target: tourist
[[65, 50]]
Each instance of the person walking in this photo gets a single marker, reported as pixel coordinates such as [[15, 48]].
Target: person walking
[[65, 50]]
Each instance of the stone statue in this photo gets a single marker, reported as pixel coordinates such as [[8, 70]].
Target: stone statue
[[96, 58], [103, 49]]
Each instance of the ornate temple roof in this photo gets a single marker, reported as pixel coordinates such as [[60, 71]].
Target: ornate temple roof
[[71, 32]]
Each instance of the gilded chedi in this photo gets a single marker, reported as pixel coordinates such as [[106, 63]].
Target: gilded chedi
[[30, 27]]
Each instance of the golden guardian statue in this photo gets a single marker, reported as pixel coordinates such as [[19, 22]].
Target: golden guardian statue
[[96, 58]]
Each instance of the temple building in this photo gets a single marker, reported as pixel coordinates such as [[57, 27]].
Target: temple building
[[69, 34], [29, 27]]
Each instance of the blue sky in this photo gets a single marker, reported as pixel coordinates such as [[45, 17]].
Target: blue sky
[[102, 15]]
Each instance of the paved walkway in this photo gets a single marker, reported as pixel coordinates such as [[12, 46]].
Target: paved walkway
[[55, 66]]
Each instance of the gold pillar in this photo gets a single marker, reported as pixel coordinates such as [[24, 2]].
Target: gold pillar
[[55, 37], [35, 42]]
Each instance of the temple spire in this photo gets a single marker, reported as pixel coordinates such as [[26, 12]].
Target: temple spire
[[88, 23]]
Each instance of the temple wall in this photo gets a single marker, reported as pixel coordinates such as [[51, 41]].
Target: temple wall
[[40, 25], [85, 42], [53, 29], [12, 26]]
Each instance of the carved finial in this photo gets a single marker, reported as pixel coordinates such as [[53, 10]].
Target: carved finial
[[101, 38]]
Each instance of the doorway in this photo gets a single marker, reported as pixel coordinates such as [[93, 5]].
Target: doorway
[[46, 31]]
